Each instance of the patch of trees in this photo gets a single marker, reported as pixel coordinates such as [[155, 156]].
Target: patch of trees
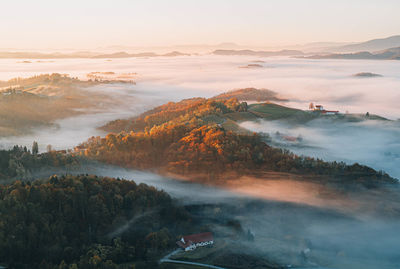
[[251, 94], [195, 109], [21, 163], [85, 222], [54, 78]]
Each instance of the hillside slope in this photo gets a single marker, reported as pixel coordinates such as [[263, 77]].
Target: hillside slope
[[388, 54], [199, 138], [372, 45], [71, 220]]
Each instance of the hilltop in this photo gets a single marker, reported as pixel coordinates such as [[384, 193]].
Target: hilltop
[[388, 54], [38, 101], [251, 94], [371, 45], [201, 139], [366, 75], [262, 108]]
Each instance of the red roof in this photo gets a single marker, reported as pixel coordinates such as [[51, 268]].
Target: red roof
[[195, 238], [290, 138]]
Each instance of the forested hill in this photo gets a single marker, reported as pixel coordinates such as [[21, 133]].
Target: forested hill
[[195, 137], [22, 163], [75, 222], [39, 101], [230, 105]]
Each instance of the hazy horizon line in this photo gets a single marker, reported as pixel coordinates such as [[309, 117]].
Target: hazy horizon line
[[193, 45]]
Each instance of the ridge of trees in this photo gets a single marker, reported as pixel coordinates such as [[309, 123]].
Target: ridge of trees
[[54, 78], [21, 163], [69, 221]]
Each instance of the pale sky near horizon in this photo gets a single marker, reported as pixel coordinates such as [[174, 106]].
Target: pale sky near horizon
[[96, 23]]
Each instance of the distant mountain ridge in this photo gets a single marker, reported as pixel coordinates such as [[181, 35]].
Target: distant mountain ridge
[[371, 45], [388, 54], [143, 54], [258, 53], [84, 54]]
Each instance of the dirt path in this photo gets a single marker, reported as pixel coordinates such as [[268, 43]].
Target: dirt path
[[167, 259]]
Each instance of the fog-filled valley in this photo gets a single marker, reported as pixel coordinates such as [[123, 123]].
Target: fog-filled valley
[[322, 228], [279, 184], [297, 81], [329, 82], [374, 143]]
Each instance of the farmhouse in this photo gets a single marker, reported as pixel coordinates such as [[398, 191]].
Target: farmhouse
[[320, 109], [290, 138], [191, 242]]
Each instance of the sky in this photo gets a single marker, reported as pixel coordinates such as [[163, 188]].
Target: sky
[[98, 23]]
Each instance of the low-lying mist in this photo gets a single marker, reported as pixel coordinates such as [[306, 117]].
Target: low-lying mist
[[290, 225], [373, 143], [293, 226], [329, 82], [163, 79], [69, 132]]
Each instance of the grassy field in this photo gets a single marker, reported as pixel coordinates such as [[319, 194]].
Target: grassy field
[[360, 117], [241, 116], [272, 111], [230, 125]]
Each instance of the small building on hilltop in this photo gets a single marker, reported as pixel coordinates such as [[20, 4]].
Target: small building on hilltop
[[191, 242], [322, 110]]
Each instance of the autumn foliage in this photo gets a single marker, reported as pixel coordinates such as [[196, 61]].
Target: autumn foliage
[[185, 138], [189, 110]]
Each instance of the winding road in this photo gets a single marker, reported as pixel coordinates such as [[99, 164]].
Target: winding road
[[167, 259]]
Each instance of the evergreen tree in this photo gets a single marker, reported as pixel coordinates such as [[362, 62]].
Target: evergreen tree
[[35, 148]]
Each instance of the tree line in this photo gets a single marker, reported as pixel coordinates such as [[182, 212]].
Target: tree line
[[70, 222], [22, 163]]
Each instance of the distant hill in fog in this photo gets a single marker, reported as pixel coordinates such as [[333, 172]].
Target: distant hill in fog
[[39, 55], [259, 53], [143, 54], [366, 75], [251, 94], [83, 54], [388, 54], [371, 45]]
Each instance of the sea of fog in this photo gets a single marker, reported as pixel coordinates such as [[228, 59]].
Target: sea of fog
[[162, 79], [279, 226], [328, 82]]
